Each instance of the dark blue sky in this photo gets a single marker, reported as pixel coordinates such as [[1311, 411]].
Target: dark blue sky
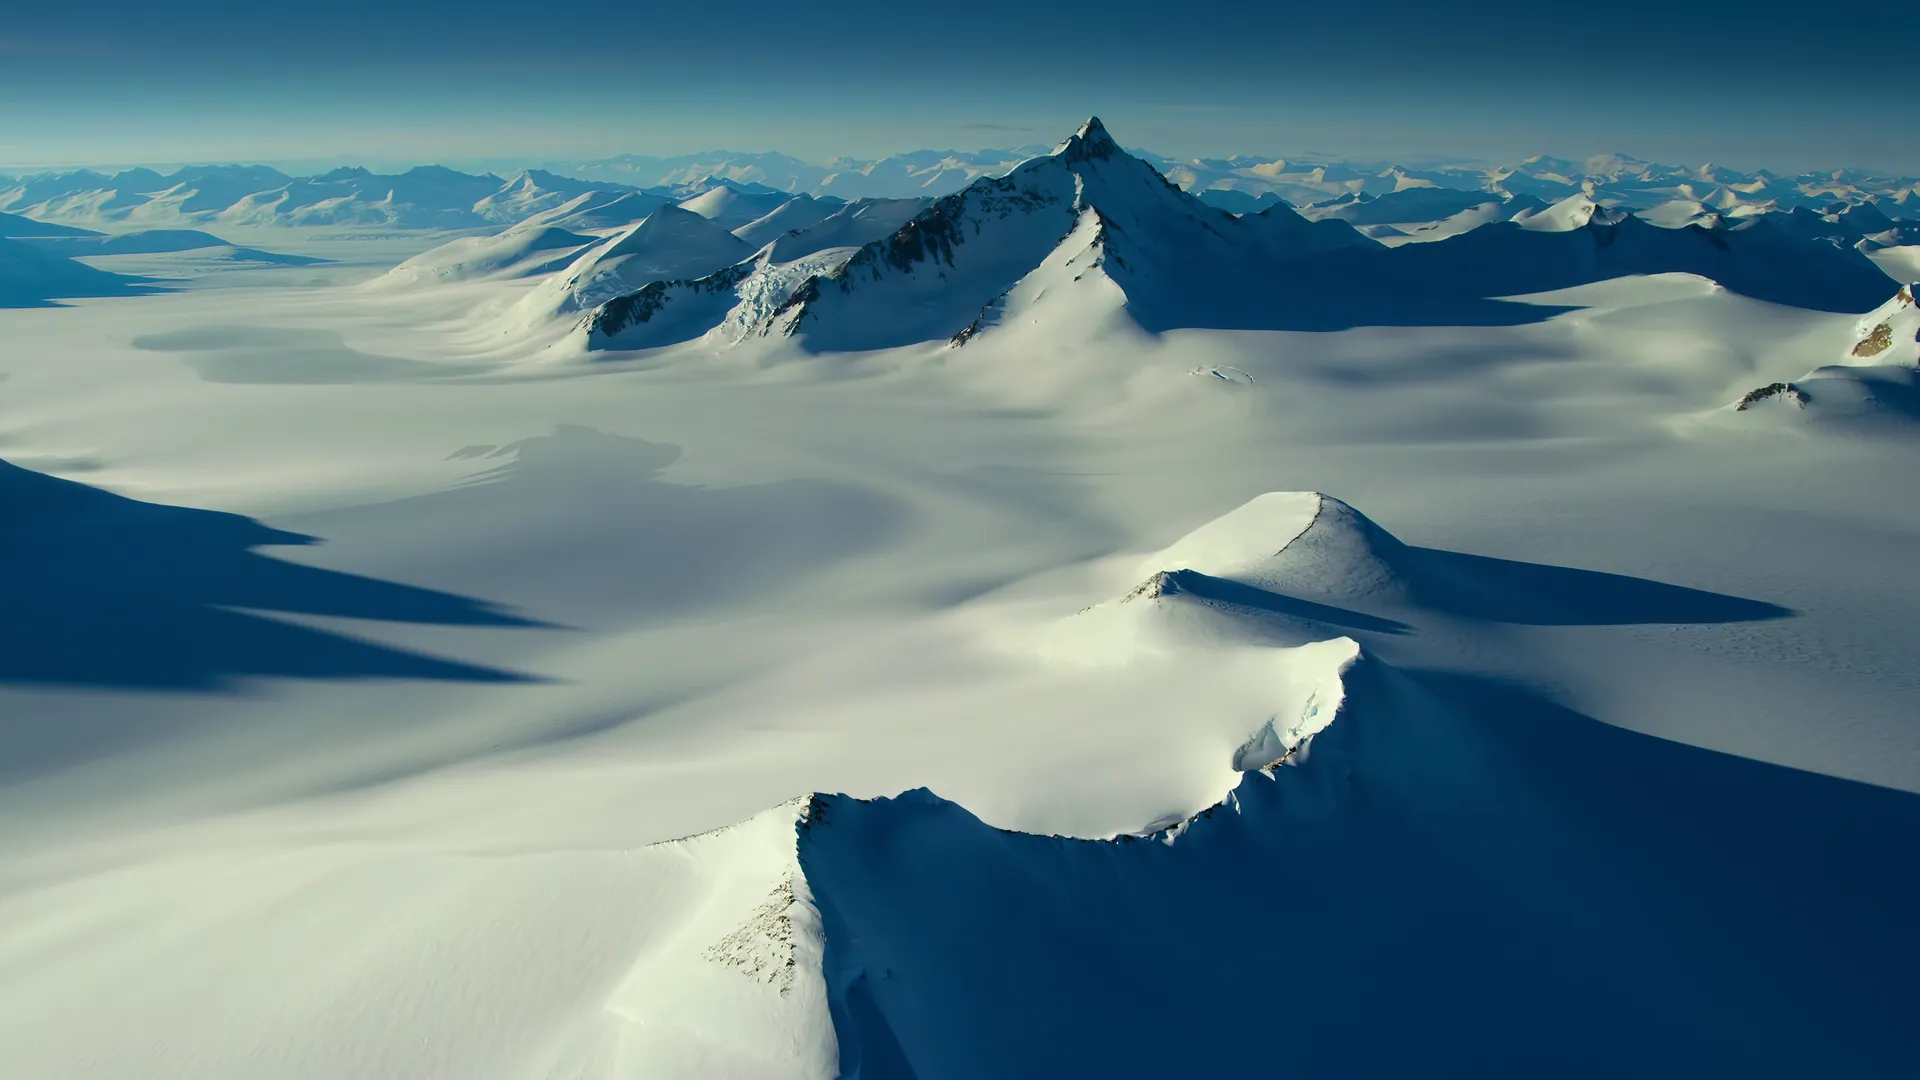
[[1746, 85]]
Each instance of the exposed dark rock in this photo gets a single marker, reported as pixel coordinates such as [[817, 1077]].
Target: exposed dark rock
[[1877, 341], [642, 304], [1779, 389]]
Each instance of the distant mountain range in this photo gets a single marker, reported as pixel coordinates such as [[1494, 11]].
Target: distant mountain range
[[1093, 237], [1085, 233], [1373, 196]]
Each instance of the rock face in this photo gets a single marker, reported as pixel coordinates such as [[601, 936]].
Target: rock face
[[1877, 341], [1888, 334], [1787, 391]]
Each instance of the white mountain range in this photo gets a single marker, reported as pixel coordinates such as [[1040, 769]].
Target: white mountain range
[[1373, 195], [1090, 233], [1053, 614]]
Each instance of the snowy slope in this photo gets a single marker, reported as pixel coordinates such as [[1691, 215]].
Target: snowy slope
[[523, 251], [1170, 254], [851, 226], [1874, 383], [532, 192], [1445, 857], [791, 216], [389, 696], [732, 208], [670, 243], [601, 210]]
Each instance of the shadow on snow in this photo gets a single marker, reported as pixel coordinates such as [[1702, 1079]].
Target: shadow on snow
[[107, 591], [1461, 879]]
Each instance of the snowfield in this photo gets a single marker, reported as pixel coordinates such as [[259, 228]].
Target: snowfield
[[1061, 628]]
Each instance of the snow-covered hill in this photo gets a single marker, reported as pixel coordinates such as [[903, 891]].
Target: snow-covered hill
[[601, 210], [669, 243], [733, 208], [527, 250]]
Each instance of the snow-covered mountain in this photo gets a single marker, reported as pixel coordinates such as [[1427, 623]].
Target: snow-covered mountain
[[735, 207], [527, 250], [1090, 234], [669, 243], [599, 210], [1576, 241], [1426, 202], [1087, 220], [426, 197], [852, 225]]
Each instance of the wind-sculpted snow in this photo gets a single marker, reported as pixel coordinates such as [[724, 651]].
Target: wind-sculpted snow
[[1417, 867], [524, 251], [1585, 750], [1460, 879]]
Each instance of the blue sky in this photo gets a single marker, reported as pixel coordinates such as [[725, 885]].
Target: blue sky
[[409, 80]]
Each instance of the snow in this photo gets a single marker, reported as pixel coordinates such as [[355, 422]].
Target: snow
[[523, 251], [733, 209], [791, 216], [596, 211], [1572, 212], [408, 682], [669, 243], [851, 226]]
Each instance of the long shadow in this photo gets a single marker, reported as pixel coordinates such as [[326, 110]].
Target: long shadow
[[1884, 392], [105, 591], [30, 278], [1461, 880], [1228, 591], [1537, 594], [1505, 259]]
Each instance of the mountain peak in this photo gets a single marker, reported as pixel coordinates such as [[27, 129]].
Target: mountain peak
[[1090, 142]]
